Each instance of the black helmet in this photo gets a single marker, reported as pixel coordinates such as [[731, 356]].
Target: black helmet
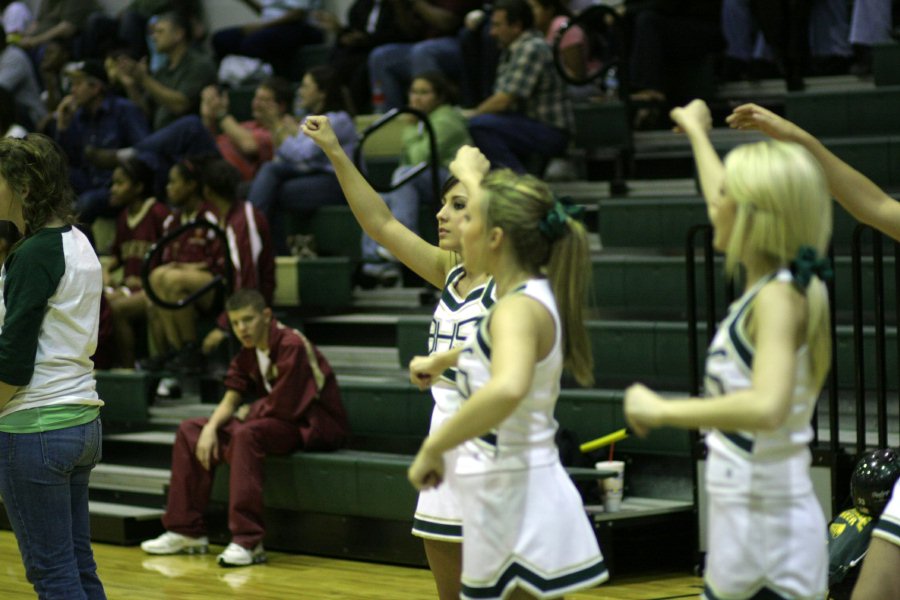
[[873, 479]]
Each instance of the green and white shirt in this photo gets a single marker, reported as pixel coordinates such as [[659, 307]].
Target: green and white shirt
[[50, 288]]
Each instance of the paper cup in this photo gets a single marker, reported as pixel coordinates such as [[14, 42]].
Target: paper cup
[[612, 486]]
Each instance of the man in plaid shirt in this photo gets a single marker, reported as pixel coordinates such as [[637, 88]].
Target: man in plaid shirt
[[529, 112]]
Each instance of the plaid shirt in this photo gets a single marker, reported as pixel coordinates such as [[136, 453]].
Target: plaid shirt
[[527, 72]]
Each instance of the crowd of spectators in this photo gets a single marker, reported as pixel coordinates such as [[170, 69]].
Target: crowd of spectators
[[136, 101]]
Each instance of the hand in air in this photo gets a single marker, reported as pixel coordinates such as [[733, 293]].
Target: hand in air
[[318, 128], [469, 161], [694, 115], [752, 116]]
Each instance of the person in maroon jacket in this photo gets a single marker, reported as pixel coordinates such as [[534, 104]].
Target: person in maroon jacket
[[297, 406], [250, 246]]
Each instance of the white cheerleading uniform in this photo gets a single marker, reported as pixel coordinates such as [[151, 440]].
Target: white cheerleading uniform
[[524, 522], [438, 513], [767, 532], [888, 525]]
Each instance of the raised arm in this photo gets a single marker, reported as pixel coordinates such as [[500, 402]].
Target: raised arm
[[858, 194], [428, 261], [695, 121]]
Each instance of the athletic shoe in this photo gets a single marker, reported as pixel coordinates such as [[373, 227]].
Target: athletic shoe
[[168, 388], [175, 543], [381, 274], [236, 555]]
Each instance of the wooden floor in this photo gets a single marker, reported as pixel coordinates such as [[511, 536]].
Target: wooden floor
[[129, 574]]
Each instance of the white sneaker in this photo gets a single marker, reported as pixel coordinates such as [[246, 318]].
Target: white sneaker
[[175, 543], [236, 555]]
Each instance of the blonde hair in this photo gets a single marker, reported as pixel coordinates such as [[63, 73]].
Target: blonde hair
[[782, 203], [518, 204]]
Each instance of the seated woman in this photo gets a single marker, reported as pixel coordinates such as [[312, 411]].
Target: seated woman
[[431, 94], [138, 227], [188, 264], [300, 178]]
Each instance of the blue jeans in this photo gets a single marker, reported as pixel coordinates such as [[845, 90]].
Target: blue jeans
[[44, 484], [404, 204], [393, 66], [279, 186], [508, 138], [184, 137]]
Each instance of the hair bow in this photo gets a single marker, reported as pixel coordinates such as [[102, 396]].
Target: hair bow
[[553, 225], [806, 264]]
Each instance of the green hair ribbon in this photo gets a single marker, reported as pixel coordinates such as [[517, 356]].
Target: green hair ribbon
[[553, 225], [806, 264]]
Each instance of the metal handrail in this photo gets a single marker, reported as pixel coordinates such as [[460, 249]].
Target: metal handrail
[[218, 280], [433, 161]]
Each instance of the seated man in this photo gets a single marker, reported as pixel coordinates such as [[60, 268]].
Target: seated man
[[529, 112], [88, 121], [298, 407], [174, 89], [244, 144]]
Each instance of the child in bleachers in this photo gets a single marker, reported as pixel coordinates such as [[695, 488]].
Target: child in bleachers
[[138, 227], [189, 263], [249, 242]]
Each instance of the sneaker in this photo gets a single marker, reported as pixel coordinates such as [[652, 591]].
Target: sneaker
[[236, 555], [382, 274], [175, 543], [168, 388]]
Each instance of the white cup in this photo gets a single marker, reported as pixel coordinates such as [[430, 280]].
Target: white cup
[[612, 486]]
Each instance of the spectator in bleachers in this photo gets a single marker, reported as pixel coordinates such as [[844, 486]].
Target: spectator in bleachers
[[188, 264], [300, 178], [128, 29], [174, 89], [56, 20], [284, 26], [668, 33], [281, 396], [18, 78], [529, 112], [480, 55], [138, 227], [871, 23], [550, 16], [90, 118], [429, 93], [370, 23], [57, 55], [16, 19], [245, 144], [249, 241], [393, 66]]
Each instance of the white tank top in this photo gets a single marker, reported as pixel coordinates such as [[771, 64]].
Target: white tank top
[[455, 319], [526, 438], [761, 455]]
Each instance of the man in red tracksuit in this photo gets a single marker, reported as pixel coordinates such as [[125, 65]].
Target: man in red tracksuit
[[298, 407]]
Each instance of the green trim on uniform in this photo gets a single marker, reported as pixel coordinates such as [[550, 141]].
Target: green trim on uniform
[[49, 418], [738, 340], [430, 529], [483, 344], [33, 272], [888, 531], [594, 573], [452, 303]]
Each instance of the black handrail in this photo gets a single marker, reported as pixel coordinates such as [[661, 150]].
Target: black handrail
[[879, 328], [433, 161], [218, 280], [595, 21], [709, 282]]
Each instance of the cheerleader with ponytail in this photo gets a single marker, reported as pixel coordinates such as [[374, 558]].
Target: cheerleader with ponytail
[[508, 470], [771, 212]]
